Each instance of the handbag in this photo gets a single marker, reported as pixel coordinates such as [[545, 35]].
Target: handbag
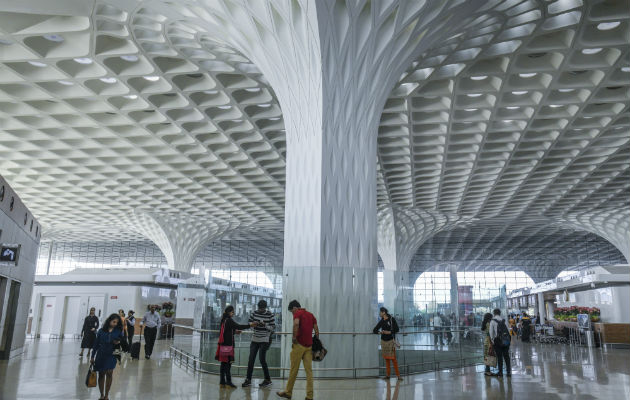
[[90, 379], [490, 360], [223, 351], [319, 352], [397, 343]]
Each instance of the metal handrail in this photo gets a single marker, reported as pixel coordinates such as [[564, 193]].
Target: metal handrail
[[332, 333], [196, 362]]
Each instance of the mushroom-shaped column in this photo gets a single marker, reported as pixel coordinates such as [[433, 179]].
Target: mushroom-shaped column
[[611, 224], [179, 236], [332, 65], [401, 230]]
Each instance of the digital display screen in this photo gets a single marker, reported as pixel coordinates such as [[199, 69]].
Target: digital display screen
[[9, 253]]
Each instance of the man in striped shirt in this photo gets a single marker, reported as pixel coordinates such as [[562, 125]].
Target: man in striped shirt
[[261, 340]]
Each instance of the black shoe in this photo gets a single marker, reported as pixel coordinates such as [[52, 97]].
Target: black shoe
[[147, 357], [265, 383], [247, 383]]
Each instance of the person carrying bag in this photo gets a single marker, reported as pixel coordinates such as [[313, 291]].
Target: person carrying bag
[[225, 346], [388, 327]]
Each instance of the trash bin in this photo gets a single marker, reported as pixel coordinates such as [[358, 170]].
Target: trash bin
[[589, 338]]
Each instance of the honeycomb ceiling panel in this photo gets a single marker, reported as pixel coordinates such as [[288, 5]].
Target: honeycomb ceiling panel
[[523, 114]]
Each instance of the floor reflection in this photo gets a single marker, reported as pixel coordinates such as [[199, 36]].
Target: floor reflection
[[53, 370]]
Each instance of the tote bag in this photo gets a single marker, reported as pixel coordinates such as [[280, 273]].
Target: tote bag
[[90, 379]]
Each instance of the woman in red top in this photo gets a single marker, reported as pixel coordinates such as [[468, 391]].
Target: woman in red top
[[226, 341]]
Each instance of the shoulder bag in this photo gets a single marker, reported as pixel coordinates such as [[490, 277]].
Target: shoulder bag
[[90, 379], [225, 351]]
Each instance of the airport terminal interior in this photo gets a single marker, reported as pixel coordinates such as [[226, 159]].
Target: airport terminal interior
[[314, 199]]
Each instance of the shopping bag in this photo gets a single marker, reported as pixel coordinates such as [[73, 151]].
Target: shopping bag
[[490, 361], [90, 379]]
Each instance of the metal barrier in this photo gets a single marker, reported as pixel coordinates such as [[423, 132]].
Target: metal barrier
[[189, 360]]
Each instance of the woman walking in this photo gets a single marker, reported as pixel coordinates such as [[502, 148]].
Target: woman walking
[[103, 358], [131, 326], [225, 348], [90, 325], [121, 314], [388, 328], [488, 350]]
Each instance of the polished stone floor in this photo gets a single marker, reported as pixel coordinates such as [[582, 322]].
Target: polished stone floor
[[53, 370]]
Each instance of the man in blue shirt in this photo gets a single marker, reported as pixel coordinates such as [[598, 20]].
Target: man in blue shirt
[[151, 324]]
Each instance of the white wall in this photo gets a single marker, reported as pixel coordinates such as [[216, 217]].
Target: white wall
[[116, 297], [14, 231], [613, 302]]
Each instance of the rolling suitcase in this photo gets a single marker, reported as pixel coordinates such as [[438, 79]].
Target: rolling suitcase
[[135, 350]]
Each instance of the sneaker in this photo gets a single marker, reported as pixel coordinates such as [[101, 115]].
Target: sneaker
[[247, 383], [283, 395], [265, 383]]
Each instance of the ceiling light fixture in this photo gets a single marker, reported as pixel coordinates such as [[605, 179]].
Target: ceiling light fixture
[[592, 51], [66, 83], [473, 94], [528, 75], [605, 26], [555, 105], [625, 69], [37, 64], [470, 109], [566, 90], [130, 58], [253, 90], [152, 78], [131, 96], [512, 107], [53, 38], [108, 80], [478, 78], [83, 60], [519, 92]]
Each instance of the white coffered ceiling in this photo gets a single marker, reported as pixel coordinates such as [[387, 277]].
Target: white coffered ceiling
[[127, 108]]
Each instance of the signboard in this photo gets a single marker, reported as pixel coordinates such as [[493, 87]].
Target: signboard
[[9, 253], [113, 297], [584, 321]]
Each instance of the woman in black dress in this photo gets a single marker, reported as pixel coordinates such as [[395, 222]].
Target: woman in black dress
[[226, 341], [90, 326]]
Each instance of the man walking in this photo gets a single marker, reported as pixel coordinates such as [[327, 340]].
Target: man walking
[[304, 323], [151, 324], [500, 338], [436, 323], [261, 341]]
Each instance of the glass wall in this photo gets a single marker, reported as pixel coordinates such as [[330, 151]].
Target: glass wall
[[66, 256]]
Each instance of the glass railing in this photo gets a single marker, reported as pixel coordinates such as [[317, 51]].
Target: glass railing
[[422, 350]]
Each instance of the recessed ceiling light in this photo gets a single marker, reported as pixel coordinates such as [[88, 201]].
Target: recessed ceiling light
[[53, 37], [37, 64], [130, 58], [264, 105], [512, 107], [604, 26], [108, 80], [555, 105], [211, 91], [473, 94], [225, 107], [519, 92], [470, 109], [592, 51], [565, 90], [67, 83], [131, 96], [83, 60], [274, 119], [252, 90], [152, 78], [508, 120], [478, 78], [528, 75]]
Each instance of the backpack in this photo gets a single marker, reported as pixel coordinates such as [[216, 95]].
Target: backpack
[[503, 335]]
